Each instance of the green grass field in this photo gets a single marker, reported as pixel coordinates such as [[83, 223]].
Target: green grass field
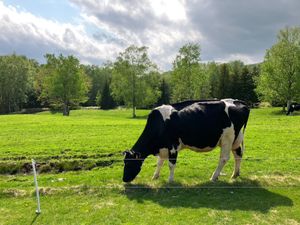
[[80, 169]]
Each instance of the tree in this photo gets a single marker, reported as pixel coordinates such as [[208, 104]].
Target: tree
[[189, 78], [65, 82], [99, 77], [280, 73], [224, 84], [213, 72], [247, 85], [235, 83], [128, 80], [106, 100], [16, 74], [165, 93], [185, 69]]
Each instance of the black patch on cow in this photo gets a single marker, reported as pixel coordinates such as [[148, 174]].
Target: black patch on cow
[[173, 157], [180, 105], [150, 140], [238, 114], [239, 151], [201, 124]]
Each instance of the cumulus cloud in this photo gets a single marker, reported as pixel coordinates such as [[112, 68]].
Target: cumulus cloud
[[33, 36], [245, 28], [226, 30], [161, 25]]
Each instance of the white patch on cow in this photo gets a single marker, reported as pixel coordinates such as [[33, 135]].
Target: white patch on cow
[[160, 163], [172, 170], [228, 103], [226, 143], [163, 153], [237, 165], [238, 141], [173, 151], [165, 111]]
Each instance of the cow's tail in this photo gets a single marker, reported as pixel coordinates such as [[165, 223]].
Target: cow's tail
[[244, 128]]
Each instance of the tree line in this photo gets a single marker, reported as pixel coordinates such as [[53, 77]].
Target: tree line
[[133, 80]]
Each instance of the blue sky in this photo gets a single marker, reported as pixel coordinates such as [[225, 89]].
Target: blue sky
[[96, 31], [60, 10]]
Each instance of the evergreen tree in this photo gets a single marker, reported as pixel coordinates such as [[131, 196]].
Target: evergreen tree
[[224, 85], [247, 86], [165, 93], [106, 100]]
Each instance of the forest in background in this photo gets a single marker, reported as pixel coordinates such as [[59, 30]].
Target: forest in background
[[133, 80]]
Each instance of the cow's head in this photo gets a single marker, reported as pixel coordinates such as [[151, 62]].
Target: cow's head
[[132, 165]]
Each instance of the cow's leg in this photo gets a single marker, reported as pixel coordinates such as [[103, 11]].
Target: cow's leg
[[172, 164], [238, 158], [224, 157], [237, 150], [226, 146], [160, 162]]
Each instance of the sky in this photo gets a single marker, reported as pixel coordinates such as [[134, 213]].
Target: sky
[[97, 31]]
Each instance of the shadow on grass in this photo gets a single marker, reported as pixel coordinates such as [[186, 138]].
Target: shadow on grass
[[34, 219], [144, 117], [278, 112], [246, 195]]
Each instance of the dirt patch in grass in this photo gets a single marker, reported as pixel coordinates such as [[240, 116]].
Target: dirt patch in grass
[[57, 164]]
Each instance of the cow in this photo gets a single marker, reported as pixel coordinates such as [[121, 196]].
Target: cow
[[197, 125], [293, 107]]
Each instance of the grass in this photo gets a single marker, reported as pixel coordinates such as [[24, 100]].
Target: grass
[[82, 184]]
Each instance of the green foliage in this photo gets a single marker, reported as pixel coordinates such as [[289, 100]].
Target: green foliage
[[133, 76], [65, 82], [280, 76], [165, 96], [16, 81], [106, 101], [189, 80], [98, 77], [224, 81]]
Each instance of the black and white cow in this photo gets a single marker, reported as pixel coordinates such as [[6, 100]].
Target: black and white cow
[[293, 107], [197, 125]]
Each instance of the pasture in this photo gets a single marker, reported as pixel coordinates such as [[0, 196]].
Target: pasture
[[80, 165]]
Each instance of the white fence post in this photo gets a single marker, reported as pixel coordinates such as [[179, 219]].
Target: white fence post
[[38, 210]]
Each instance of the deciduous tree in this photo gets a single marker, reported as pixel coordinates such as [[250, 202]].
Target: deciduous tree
[[280, 75], [65, 82]]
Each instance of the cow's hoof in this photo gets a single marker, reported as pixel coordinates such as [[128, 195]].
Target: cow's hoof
[[170, 180], [235, 175], [213, 179], [155, 177]]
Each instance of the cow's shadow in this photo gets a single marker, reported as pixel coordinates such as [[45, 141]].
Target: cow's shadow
[[244, 195]]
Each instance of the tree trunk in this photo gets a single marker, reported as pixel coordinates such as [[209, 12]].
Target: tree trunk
[[133, 111], [66, 111], [288, 104], [133, 97]]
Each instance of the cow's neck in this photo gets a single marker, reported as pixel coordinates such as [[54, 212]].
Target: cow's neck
[[143, 148]]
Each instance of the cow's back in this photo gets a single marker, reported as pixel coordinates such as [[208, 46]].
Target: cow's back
[[200, 124]]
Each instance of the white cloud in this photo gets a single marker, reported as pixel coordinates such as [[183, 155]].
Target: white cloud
[[25, 33], [242, 57], [226, 30], [161, 25]]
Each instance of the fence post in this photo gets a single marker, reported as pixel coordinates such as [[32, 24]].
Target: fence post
[[38, 210]]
